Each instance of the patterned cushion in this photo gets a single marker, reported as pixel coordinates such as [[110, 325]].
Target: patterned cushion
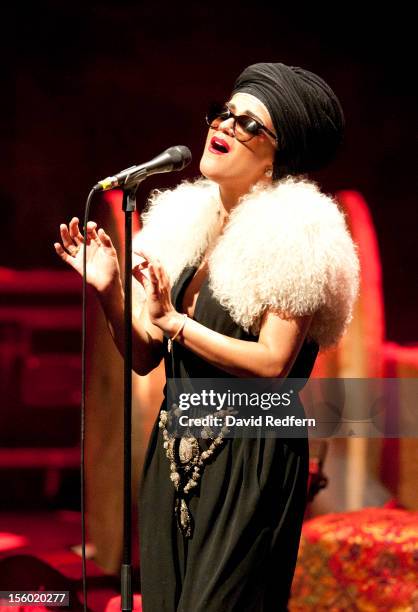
[[365, 560]]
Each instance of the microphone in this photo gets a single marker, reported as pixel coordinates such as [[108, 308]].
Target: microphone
[[174, 158]]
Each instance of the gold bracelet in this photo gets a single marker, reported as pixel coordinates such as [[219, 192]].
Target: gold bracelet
[[180, 329]]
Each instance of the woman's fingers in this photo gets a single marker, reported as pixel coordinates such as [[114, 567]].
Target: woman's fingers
[[158, 269], [138, 261], [65, 236], [142, 259], [104, 238], [154, 280], [92, 232], [67, 240], [63, 253], [164, 277], [74, 231], [140, 253], [72, 238], [142, 278], [152, 276]]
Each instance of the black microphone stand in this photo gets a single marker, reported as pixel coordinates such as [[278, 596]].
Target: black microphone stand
[[175, 158], [128, 207]]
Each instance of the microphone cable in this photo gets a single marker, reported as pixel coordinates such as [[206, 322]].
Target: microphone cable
[[83, 400]]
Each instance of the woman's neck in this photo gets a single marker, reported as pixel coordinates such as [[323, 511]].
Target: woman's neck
[[230, 197]]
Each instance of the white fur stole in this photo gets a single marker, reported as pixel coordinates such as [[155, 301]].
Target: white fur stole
[[286, 247]]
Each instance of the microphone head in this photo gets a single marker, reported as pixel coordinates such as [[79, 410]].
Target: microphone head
[[180, 156], [174, 158]]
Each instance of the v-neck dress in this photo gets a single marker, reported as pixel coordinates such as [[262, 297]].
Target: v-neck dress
[[247, 510]]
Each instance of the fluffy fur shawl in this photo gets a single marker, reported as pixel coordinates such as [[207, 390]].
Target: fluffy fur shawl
[[285, 247]]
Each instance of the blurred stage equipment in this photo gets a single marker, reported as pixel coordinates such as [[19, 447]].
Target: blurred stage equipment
[[367, 472], [40, 379]]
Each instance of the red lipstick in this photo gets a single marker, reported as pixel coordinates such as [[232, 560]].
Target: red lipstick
[[219, 146]]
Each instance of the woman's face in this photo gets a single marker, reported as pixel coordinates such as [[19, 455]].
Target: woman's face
[[235, 164]]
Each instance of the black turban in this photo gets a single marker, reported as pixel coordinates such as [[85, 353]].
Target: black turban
[[305, 112]]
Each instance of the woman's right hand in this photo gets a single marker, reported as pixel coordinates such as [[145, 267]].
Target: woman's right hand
[[102, 261]]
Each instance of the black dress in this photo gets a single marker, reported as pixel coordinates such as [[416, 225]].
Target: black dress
[[247, 511]]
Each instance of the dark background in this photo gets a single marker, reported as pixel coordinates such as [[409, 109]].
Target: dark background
[[91, 88]]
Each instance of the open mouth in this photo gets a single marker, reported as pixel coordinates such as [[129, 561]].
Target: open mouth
[[219, 146]]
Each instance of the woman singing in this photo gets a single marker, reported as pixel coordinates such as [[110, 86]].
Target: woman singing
[[247, 272]]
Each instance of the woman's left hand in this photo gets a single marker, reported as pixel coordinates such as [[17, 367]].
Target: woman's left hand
[[152, 276]]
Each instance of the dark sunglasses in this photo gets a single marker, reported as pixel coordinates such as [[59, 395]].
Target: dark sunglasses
[[244, 127]]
